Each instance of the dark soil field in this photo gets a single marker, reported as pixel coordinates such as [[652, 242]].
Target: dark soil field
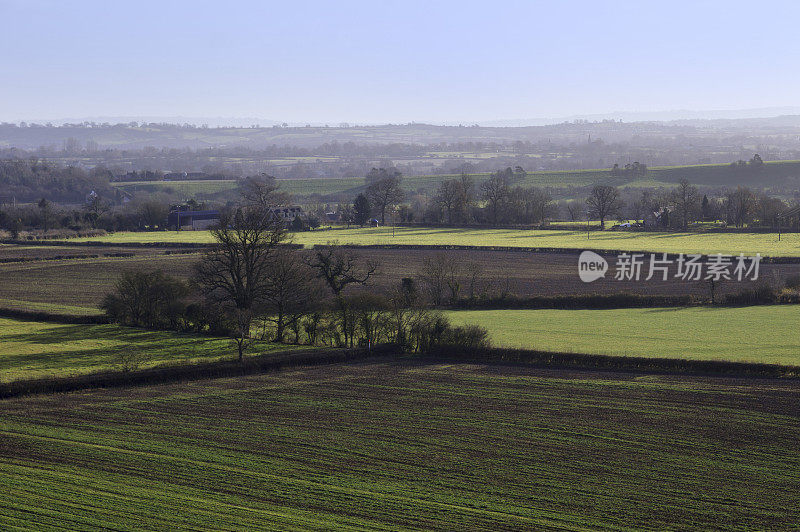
[[83, 282], [403, 445]]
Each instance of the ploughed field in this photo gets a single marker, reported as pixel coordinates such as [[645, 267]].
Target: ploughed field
[[767, 244], [77, 285], [403, 445], [763, 334]]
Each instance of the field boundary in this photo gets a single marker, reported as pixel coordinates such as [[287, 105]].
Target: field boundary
[[442, 247], [566, 251], [561, 360], [272, 362], [264, 363]]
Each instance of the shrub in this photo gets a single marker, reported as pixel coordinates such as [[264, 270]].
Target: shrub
[[431, 332], [793, 282], [147, 299], [760, 295]]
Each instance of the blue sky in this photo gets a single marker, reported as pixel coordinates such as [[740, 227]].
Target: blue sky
[[387, 61]]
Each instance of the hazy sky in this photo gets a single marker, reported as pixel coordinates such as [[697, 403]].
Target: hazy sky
[[386, 61]]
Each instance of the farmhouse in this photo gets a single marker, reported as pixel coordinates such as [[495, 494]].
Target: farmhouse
[[187, 220], [287, 214]]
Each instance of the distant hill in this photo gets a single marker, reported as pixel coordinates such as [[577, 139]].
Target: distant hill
[[136, 135]]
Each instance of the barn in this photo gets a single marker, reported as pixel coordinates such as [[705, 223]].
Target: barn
[[192, 220]]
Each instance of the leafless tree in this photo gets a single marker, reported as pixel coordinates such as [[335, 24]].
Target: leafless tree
[[686, 202], [234, 274], [442, 275], [384, 194], [263, 191], [495, 191], [290, 291], [739, 204], [447, 197], [604, 202], [340, 268], [153, 212], [530, 205], [466, 189]]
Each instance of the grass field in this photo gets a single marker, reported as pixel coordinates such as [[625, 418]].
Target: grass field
[[49, 307], [730, 243], [657, 176], [34, 349], [764, 334], [387, 446]]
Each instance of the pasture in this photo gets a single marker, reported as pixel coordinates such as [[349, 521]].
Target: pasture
[[658, 176], [766, 244], [761, 334], [33, 349], [397, 446]]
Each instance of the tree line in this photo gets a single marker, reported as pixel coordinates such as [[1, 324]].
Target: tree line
[[252, 281]]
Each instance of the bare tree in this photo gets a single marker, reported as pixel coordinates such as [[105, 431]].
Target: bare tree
[[604, 202], [740, 204], [768, 208], [340, 268], [447, 197], [262, 191], [234, 274], [530, 205], [440, 275], [573, 210], [153, 212], [95, 208], [384, 194], [45, 213], [466, 189], [290, 291], [686, 202], [495, 191]]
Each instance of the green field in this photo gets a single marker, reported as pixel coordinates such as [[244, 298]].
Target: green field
[[657, 176], [393, 446], [187, 188], [764, 334], [35, 349], [730, 243], [192, 188], [50, 308]]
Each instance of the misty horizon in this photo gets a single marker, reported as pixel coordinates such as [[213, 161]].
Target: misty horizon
[[622, 116]]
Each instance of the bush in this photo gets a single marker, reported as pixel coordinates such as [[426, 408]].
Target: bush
[[147, 299], [431, 332], [762, 294], [793, 282]]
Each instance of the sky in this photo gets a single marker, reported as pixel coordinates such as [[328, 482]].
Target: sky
[[385, 61]]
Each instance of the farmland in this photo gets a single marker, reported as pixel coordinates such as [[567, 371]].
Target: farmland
[[391, 446], [36, 349], [77, 286], [762, 334], [766, 244], [79, 282], [664, 176]]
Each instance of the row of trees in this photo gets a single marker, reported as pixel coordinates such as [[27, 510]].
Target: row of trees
[[253, 279], [683, 205], [28, 180], [497, 201], [456, 201]]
